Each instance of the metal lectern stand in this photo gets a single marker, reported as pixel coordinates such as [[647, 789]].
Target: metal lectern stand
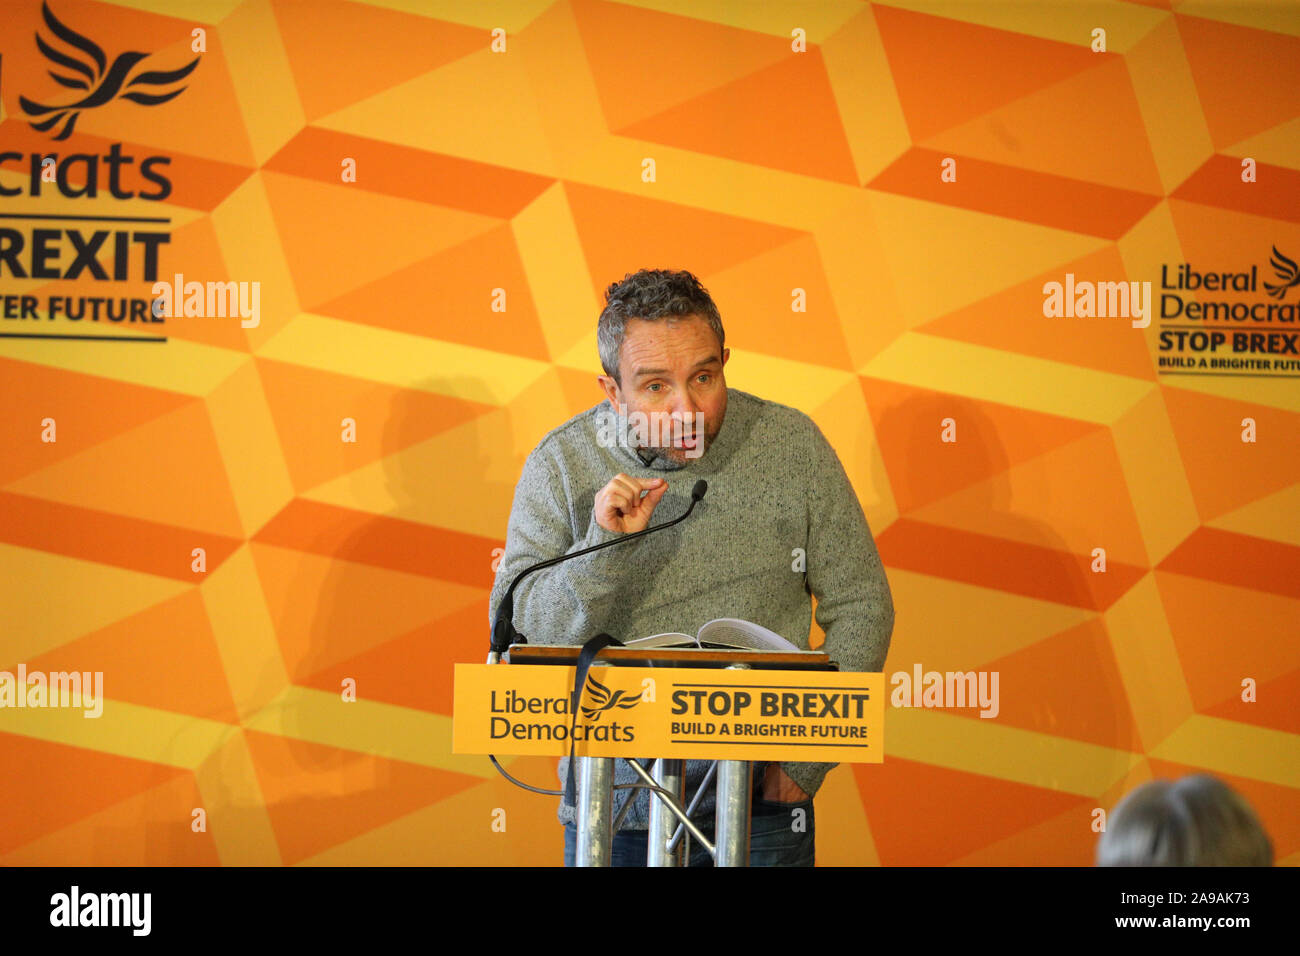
[[668, 818]]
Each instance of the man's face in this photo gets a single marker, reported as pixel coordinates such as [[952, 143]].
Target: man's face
[[671, 369]]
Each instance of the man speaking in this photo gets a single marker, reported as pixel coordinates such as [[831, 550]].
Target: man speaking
[[780, 522]]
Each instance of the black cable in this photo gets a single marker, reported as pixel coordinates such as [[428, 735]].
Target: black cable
[[520, 783]]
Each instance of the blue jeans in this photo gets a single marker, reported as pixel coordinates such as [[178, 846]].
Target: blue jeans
[[778, 836]]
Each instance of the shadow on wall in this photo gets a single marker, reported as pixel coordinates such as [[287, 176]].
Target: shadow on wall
[[994, 548], [356, 609]]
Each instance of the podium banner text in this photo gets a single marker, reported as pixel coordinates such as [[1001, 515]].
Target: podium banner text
[[670, 712]]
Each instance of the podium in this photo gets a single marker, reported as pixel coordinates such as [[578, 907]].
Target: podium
[[669, 818]]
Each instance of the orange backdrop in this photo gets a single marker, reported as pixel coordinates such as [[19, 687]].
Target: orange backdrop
[[431, 198]]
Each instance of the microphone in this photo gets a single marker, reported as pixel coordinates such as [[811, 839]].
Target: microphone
[[503, 628]]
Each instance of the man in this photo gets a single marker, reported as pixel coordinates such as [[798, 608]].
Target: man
[[780, 522]]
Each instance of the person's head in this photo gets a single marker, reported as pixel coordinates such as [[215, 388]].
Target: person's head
[[1195, 821], [662, 347]]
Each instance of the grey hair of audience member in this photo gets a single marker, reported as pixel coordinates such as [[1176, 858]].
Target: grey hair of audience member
[[1195, 821]]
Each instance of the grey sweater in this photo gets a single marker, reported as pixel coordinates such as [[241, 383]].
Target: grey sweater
[[775, 485]]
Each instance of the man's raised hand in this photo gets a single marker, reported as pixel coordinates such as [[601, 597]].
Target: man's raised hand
[[620, 507]]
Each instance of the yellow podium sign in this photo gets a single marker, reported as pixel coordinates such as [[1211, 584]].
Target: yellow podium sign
[[670, 712]]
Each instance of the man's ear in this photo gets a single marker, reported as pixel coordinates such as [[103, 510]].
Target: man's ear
[[726, 354], [611, 389]]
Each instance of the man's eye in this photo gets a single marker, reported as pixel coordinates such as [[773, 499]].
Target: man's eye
[[705, 377], [652, 386]]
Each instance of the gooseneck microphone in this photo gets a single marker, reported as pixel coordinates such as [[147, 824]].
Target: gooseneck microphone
[[503, 628]]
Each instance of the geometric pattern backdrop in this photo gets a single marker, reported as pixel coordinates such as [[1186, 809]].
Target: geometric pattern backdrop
[[522, 171]]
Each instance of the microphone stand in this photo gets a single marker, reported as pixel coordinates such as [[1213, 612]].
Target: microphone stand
[[503, 628]]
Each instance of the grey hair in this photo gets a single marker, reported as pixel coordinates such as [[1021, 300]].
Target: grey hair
[[1195, 821], [650, 294]]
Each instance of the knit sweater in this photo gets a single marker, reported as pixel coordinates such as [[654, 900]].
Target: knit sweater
[[780, 522]]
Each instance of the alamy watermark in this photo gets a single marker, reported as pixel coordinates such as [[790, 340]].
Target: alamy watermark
[[947, 689], [652, 430], [1086, 300], [208, 300], [75, 908], [84, 689]]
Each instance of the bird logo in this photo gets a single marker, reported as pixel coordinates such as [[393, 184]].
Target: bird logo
[[1286, 270], [604, 700], [100, 82]]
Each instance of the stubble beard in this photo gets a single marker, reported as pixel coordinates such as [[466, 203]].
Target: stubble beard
[[679, 456]]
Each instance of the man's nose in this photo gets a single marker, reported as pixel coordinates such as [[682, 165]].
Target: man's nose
[[684, 409]]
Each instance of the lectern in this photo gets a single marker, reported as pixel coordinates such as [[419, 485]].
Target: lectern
[[668, 817]]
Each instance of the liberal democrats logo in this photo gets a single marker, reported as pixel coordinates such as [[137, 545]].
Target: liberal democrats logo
[[604, 700], [99, 82], [1287, 271]]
